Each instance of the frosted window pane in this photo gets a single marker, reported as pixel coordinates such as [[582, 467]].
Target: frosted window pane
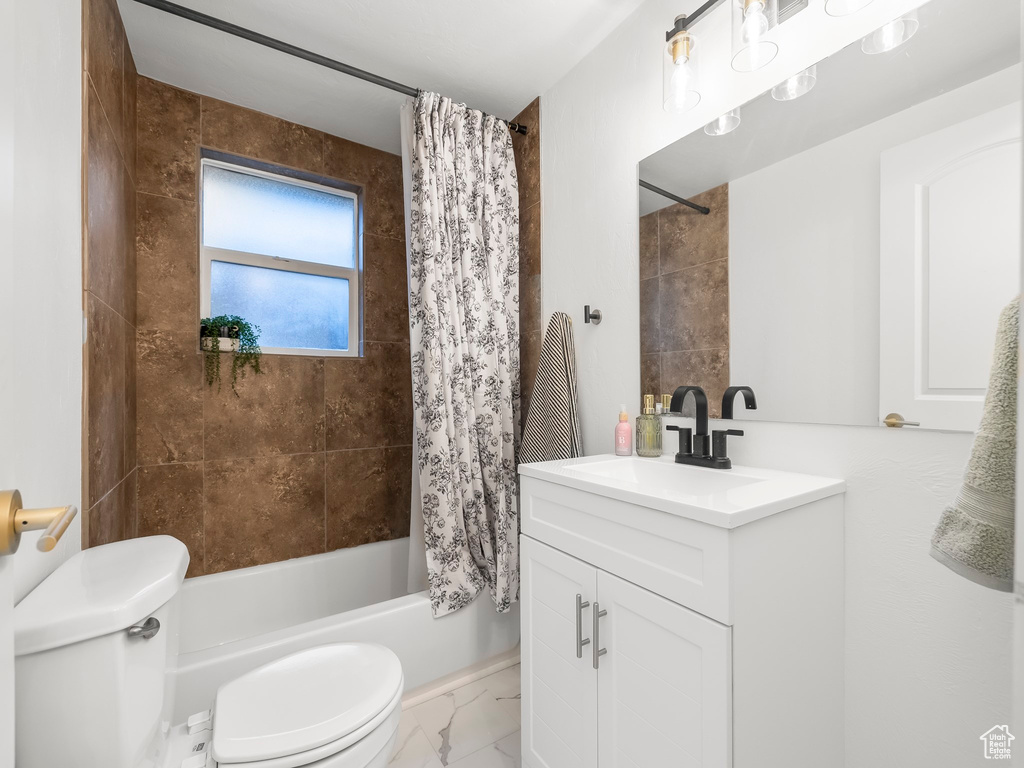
[[292, 309], [273, 218]]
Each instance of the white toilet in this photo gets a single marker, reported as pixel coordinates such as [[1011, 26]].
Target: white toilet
[[96, 646]]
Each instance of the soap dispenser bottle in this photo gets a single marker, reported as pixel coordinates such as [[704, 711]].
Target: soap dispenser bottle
[[648, 430], [623, 434]]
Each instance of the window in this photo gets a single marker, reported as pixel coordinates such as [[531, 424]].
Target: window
[[284, 254]]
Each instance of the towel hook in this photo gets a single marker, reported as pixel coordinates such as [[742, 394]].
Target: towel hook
[[591, 317]]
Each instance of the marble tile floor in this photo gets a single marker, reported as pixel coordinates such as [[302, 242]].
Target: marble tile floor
[[475, 726]]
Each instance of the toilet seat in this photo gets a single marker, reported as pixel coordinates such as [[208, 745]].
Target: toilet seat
[[310, 706]]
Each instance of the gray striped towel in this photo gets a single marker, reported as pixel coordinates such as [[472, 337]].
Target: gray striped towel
[[552, 424]]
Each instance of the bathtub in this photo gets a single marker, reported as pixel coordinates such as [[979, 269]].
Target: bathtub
[[234, 622]]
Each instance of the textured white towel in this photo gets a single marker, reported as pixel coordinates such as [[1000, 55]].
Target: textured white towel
[[553, 425], [974, 536]]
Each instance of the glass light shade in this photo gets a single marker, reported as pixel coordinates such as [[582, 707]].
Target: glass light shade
[[796, 86], [681, 74], [845, 7], [727, 123], [752, 25], [890, 36]]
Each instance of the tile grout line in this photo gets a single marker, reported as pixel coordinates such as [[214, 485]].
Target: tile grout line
[[692, 266], [273, 456]]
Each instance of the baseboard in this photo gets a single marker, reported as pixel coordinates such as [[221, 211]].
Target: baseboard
[[460, 678]]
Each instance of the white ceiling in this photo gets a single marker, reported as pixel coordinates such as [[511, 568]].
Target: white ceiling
[[495, 56], [954, 46]]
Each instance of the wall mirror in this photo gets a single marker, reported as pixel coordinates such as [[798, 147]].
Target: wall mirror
[[861, 240]]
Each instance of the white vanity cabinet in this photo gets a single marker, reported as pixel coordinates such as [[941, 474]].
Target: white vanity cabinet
[[675, 616]]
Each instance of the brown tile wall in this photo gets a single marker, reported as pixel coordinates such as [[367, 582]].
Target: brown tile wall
[[296, 464], [316, 453], [304, 460], [527, 150], [109, 302], [684, 298]]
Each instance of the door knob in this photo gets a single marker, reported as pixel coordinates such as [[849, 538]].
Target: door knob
[[15, 520], [895, 421]]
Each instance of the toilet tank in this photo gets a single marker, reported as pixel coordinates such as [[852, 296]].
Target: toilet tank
[[87, 691]]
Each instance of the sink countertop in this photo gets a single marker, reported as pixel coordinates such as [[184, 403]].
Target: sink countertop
[[727, 498]]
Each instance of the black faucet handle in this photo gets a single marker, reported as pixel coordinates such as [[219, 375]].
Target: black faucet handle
[[718, 444], [685, 437]]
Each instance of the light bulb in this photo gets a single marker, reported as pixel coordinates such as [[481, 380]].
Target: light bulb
[[755, 23], [682, 92], [681, 86], [680, 80]]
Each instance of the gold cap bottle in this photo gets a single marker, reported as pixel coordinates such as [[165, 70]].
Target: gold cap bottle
[[648, 430], [666, 403]]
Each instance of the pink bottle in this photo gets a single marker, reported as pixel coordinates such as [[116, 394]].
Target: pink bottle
[[623, 434]]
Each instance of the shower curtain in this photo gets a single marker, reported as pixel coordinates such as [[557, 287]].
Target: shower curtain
[[463, 250]]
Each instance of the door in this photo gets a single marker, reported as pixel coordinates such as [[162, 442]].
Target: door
[[664, 685], [558, 678], [949, 199]]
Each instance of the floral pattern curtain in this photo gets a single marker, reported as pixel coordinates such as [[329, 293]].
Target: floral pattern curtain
[[464, 329]]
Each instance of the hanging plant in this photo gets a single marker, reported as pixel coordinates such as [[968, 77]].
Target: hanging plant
[[242, 340]]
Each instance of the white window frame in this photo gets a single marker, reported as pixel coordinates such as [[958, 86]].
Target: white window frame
[[209, 254]]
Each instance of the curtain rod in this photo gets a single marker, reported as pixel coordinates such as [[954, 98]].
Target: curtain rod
[[682, 200], [292, 50]]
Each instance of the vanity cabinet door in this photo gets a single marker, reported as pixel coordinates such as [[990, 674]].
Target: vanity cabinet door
[[559, 685], [664, 685]]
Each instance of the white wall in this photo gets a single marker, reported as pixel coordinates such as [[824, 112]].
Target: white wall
[[41, 277], [818, 283], [927, 653]]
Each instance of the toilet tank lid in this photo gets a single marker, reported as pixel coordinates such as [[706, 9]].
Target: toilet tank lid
[[99, 591]]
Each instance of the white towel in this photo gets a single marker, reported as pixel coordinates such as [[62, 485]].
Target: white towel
[[974, 536], [552, 424]]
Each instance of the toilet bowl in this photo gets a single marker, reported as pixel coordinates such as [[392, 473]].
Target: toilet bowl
[[95, 654]]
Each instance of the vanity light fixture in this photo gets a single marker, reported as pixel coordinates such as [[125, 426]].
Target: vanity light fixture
[[796, 86], [727, 123], [681, 73], [845, 7], [890, 36], [752, 20]]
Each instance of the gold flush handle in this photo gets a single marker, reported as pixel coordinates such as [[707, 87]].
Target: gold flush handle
[[15, 520], [895, 421]]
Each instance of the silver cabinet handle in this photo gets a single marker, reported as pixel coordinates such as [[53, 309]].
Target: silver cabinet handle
[[146, 629], [580, 640], [598, 615]]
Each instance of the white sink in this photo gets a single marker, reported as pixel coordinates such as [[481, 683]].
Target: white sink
[[723, 497], [657, 474]]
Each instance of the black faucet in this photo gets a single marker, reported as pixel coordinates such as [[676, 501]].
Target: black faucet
[[697, 453], [730, 396], [700, 439]]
